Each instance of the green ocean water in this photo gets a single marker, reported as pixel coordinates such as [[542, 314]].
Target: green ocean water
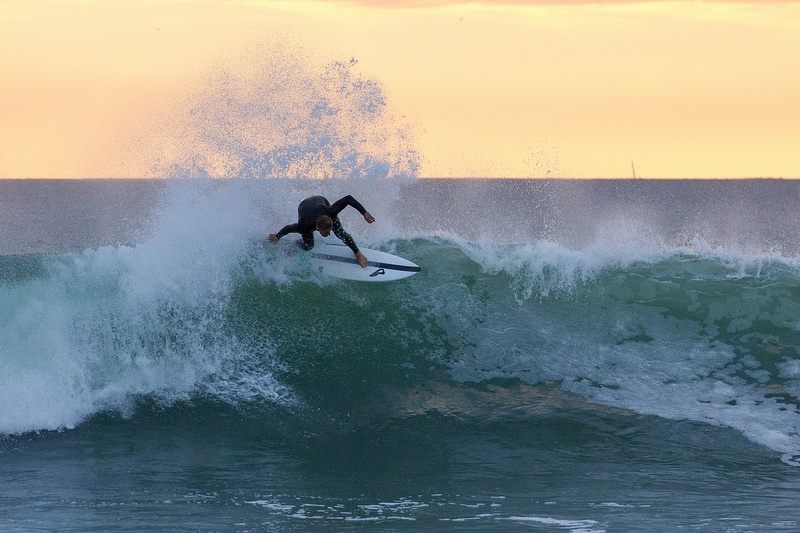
[[574, 356]]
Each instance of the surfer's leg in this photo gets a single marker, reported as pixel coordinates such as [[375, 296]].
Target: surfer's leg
[[307, 242]]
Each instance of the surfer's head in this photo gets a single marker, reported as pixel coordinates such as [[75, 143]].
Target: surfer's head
[[324, 225]]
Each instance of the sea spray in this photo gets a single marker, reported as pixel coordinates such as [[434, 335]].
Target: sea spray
[[277, 115]]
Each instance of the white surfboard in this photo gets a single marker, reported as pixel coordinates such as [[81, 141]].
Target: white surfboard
[[338, 260]]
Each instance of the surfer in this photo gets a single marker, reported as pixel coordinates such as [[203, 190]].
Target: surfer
[[317, 213]]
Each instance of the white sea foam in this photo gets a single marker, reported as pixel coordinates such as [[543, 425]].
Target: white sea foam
[[105, 326], [576, 526]]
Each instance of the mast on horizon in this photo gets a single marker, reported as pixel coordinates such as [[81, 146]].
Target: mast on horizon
[[633, 170]]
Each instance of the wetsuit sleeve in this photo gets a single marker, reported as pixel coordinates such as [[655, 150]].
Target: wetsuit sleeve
[[339, 231], [289, 228], [308, 236], [341, 203]]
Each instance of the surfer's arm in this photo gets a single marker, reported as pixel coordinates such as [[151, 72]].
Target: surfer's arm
[[289, 228], [308, 237], [345, 237], [341, 203]]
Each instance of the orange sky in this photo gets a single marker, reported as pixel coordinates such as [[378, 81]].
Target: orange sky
[[495, 89]]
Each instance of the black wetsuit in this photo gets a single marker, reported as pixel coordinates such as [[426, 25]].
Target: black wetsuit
[[311, 209]]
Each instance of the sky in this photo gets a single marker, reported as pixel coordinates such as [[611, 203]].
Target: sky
[[508, 89]]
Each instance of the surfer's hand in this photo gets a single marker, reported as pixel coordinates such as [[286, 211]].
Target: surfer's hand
[[369, 218], [362, 260], [273, 238]]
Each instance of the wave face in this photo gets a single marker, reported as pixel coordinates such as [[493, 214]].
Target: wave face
[[203, 310], [537, 298]]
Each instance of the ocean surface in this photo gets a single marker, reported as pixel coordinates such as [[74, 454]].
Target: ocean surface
[[577, 356]]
